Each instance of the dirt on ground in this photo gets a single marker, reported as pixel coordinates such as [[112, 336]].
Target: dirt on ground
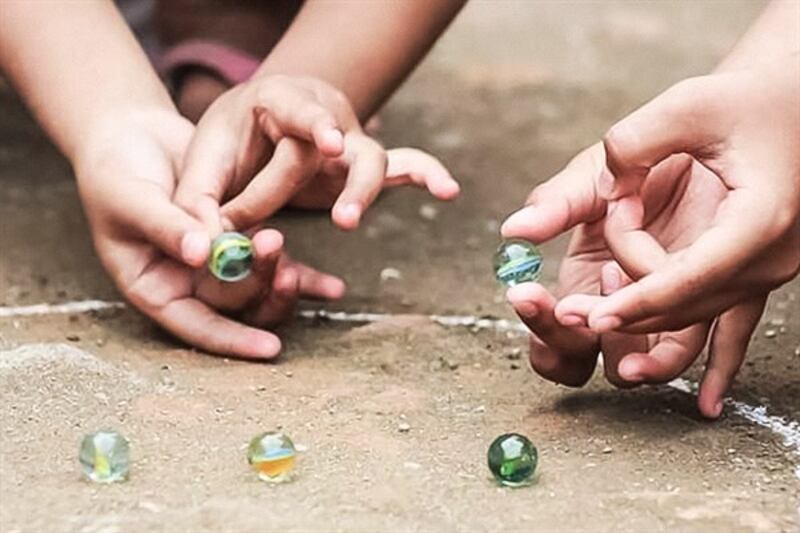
[[393, 418]]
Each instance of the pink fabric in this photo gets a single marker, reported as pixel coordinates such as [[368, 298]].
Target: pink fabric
[[232, 65]]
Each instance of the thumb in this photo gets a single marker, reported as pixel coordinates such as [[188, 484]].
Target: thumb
[[567, 199], [685, 118], [169, 228]]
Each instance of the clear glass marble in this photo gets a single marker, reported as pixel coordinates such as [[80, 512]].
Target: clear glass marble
[[105, 456], [517, 261]]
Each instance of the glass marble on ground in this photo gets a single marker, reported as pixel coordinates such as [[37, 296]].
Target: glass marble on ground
[[517, 261], [512, 459], [272, 456], [105, 456]]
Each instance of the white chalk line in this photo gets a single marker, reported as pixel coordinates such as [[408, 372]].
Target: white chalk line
[[788, 430], [59, 309]]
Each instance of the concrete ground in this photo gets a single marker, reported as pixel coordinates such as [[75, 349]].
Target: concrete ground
[[511, 92]]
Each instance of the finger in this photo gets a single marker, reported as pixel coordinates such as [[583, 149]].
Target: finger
[[197, 324], [635, 249], [668, 359], [687, 277], [614, 346], [292, 164], [267, 248], [558, 353], [567, 199], [412, 166], [364, 181], [207, 171], [710, 307], [165, 225], [612, 278], [685, 118], [572, 310], [297, 113], [318, 285], [280, 301], [727, 351]]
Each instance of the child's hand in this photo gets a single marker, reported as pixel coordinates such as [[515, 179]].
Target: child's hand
[[741, 128], [680, 201], [275, 139], [156, 253]]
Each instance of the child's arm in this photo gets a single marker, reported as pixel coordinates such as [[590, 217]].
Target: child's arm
[[364, 49], [78, 67]]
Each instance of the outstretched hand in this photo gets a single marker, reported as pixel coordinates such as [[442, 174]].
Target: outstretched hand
[[740, 128], [679, 199]]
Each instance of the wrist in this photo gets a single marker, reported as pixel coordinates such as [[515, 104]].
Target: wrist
[[774, 36], [106, 133]]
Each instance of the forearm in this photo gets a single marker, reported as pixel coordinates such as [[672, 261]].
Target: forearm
[[75, 64], [364, 48], [775, 34]]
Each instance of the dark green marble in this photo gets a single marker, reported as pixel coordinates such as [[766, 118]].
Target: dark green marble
[[512, 459]]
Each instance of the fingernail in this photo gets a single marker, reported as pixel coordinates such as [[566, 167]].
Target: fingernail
[[194, 247], [517, 218], [335, 138], [629, 371], [718, 408], [351, 212], [572, 320], [605, 184], [528, 309], [606, 323], [612, 206]]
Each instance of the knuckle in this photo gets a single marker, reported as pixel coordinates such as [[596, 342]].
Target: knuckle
[[619, 143], [269, 94], [538, 194], [336, 97], [786, 270], [140, 295], [784, 220], [689, 94], [244, 213]]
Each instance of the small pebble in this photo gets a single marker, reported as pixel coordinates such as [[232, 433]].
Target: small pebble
[[149, 506], [770, 333], [72, 337], [404, 427], [428, 211], [390, 273], [607, 449]]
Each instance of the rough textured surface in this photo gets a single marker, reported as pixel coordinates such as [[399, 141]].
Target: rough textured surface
[[394, 417]]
